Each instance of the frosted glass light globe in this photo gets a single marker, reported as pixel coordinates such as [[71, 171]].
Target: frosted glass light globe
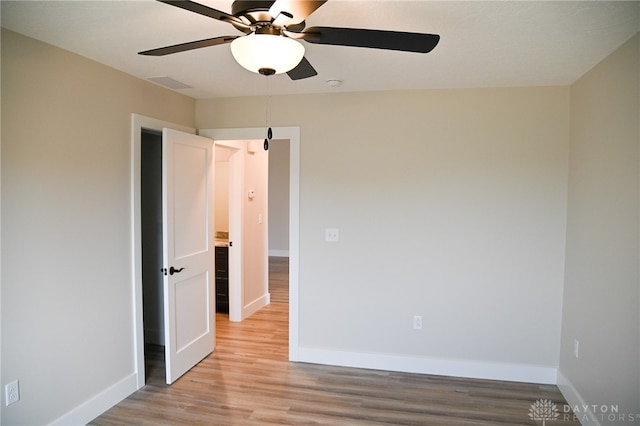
[[267, 53]]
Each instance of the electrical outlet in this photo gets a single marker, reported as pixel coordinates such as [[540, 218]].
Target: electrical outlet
[[332, 235], [576, 347], [11, 392], [417, 322]]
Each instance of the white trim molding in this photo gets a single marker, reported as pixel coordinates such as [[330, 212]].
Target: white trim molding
[[84, 413], [436, 366], [256, 305]]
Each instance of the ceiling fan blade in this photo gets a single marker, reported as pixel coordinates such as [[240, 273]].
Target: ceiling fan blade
[[303, 70], [293, 11], [183, 47], [204, 10], [376, 39]]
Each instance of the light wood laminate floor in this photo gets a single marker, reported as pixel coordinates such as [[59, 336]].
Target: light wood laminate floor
[[247, 380]]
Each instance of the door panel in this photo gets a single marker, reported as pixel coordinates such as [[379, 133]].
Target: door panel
[[190, 212], [191, 315], [188, 196]]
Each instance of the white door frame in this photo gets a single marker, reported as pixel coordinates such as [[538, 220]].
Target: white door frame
[[293, 135], [138, 123]]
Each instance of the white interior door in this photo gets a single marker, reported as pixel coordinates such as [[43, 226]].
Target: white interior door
[[236, 219], [188, 244]]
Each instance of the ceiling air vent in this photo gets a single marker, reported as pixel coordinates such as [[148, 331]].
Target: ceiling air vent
[[169, 82]]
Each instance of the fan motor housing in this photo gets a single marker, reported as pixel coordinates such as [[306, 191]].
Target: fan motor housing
[[257, 12], [252, 11]]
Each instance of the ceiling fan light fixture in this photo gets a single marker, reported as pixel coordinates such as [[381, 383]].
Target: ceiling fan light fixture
[[267, 53]]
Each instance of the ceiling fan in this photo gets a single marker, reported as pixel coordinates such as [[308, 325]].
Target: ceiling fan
[[272, 29]]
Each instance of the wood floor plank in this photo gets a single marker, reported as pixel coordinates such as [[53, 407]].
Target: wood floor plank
[[248, 380]]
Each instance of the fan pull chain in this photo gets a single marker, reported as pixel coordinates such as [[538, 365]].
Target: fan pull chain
[[267, 119]]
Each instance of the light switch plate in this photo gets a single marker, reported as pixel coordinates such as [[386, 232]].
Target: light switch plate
[[332, 235]]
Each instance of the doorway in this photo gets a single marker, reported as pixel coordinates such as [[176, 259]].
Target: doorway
[[292, 134], [252, 210], [152, 129]]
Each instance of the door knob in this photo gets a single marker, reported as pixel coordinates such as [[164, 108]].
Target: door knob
[[173, 270]]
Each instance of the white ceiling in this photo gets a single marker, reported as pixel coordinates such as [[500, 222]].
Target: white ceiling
[[483, 43]]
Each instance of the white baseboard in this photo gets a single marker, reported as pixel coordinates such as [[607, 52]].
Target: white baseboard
[[586, 417], [440, 367], [254, 306], [278, 253], [100, 403]]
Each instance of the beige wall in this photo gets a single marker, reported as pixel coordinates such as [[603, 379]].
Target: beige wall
[[464, 224], [601, 302], [67, 308]]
